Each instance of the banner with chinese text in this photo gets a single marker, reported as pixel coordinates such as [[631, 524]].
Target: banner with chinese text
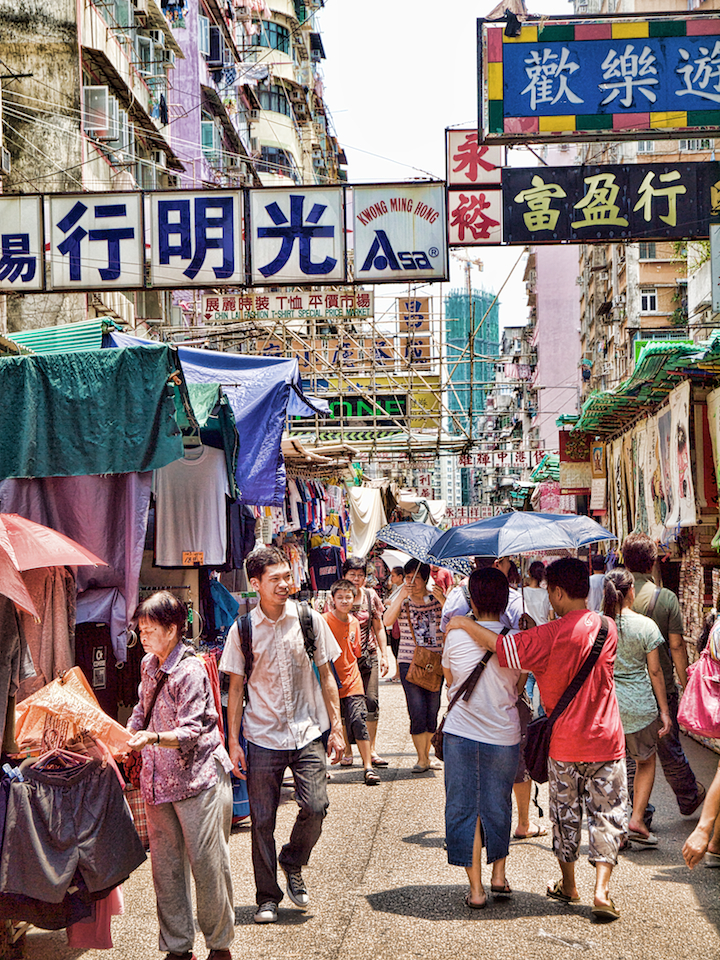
[[611, 78], [301, 305], [650, 201]]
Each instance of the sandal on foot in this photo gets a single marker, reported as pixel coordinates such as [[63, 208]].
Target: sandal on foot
[[645, 841], [378, 761], [535, 831], [712, 861], [556, 892], [346, 761], [606, 912], [475, 906], [501, 891], [371, 778], [421, 768]]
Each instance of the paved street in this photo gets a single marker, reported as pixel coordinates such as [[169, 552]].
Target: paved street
[[380, 885]]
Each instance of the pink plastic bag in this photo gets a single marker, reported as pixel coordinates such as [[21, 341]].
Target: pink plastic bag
[[699, 710]]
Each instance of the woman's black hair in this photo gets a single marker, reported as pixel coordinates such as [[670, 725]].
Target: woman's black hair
[[355, 563], [616, 586], [489, 590], [708, 624], [165, 609], [423, 569]]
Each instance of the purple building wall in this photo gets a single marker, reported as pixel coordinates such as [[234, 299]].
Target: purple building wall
[[557, 339]]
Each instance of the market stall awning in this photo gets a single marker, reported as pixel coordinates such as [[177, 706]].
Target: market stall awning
[[659, 369], [94, 412], [262, 391]]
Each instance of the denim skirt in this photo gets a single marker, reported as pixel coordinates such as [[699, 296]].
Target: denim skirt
[[478, 784]]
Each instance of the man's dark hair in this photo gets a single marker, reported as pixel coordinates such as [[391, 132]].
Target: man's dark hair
[[639, 552], [165, 609], [598, 563], [355, 563], [342, 585], [537, 570], [423, 569], [260, 559], [571, 575], [482, 563], [489, 590], [398, 571]]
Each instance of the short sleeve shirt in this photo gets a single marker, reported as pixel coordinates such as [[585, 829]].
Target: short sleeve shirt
[[589, 730], [425, 624], [637, 636], [666, 615], [368, 608]]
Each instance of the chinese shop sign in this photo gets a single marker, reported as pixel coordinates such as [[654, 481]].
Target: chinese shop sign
[[474, 200], [575, 463], [601, 79], [629, 201], [300, 305]]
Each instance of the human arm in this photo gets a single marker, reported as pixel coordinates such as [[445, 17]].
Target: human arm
[[658, 684], [439, 594], [381, 637], [481, 635], [448, 677], [697, 843], [393, 611], [678, 652], [234, 717], [148, 738], [336, 742]]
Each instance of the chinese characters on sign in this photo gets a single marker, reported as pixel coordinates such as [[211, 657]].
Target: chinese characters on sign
[[501, 458], [647, 201], [21, 244], [609, 79], [196, 239], [414, 331], [301, 305], [474, 211], [96, 241]]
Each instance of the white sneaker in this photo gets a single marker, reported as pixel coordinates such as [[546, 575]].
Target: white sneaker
[[266, 913]]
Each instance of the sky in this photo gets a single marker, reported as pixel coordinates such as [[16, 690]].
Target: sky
[[397, 73]]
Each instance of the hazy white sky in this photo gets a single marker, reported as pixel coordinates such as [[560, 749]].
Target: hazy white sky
[[397, 73]]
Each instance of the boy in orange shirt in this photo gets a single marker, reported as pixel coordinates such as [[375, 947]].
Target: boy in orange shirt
[[353, 706]]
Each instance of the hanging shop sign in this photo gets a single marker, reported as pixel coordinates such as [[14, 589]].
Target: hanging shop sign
[[196, 238], [294, 236], [610, 78], [501, 458], [399, 233], [575, 464], [96, 241], [350, 304], [651, 201], [383, 409], [474, 211]]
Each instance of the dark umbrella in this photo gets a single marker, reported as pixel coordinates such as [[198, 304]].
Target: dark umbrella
[[418, 539]]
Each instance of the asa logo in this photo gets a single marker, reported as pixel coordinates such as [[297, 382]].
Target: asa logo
[[381, 256]]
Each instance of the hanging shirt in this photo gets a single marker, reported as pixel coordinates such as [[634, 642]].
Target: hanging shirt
[[191, 509]]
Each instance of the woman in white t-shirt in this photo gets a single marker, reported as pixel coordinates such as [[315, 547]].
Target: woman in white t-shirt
[[481, 744]]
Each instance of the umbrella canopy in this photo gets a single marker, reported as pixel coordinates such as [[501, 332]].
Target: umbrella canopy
[[12, 586], [30, 545], [419, 539], [512, 533], [394, 558]]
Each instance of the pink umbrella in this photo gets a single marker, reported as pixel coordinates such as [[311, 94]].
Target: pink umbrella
[[12, 586], [30, 545]]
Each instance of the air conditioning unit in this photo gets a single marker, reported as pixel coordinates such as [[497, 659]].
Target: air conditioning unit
[[602, 275], [159, 158], [234, 162], [168, 56], [253, 115], [579, 281], [5, 160], [619, 301]]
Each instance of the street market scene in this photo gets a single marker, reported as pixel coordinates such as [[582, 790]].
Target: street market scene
[[359, 479]]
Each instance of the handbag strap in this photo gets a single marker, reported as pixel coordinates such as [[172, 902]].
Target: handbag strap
[[470, 682], [583, 673], [406, 608], [158, 687], [651, 606]]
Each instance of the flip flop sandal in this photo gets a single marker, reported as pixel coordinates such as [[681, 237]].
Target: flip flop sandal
[[378, 762], [540, 832], [606, 913], [556, 893], [371, 778], [645, 841], [713, 861], [346, 762], [475, 906], [504, 891]]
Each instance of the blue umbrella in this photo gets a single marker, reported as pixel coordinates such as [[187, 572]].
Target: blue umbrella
[[520, 532], [418, 540]]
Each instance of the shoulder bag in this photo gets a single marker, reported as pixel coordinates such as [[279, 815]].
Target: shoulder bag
[[539, 732], [425, 668], [465, 691], [699, 710]]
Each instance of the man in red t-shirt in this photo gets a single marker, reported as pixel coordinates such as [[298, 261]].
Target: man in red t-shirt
[[587, 748]]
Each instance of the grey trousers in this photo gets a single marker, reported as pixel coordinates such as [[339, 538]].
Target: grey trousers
[[192, 835]]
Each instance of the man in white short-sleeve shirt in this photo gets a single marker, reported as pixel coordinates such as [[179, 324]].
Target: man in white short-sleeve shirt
[[287, 713]]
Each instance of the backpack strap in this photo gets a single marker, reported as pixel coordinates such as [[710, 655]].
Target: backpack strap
[[651, 606], [307, 626], [245, 628]]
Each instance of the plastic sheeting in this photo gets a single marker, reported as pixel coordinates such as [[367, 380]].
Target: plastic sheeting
[[261, 391], [96, 412]]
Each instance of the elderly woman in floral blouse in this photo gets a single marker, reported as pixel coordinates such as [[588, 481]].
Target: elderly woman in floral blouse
[[185, 782]]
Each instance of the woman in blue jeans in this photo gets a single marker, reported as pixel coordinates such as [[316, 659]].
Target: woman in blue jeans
[[481, 743], [418, 615]]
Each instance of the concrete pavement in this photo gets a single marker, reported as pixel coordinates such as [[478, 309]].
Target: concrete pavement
[[381, 887]]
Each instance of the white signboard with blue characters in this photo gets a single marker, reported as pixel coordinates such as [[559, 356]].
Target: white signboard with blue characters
[[22, 265]]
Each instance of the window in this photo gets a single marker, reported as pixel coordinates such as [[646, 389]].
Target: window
[[204, 35], [274, 98], [211, 143], [647, 251], [646, 146], [145, 56], [272, 35], [274, 160], [648, 300], [101, 113], [695, 145]]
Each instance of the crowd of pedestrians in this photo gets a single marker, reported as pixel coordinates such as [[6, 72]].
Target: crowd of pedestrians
[[304, 687]]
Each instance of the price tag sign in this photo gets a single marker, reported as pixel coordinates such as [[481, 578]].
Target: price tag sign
[[193, 558]]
